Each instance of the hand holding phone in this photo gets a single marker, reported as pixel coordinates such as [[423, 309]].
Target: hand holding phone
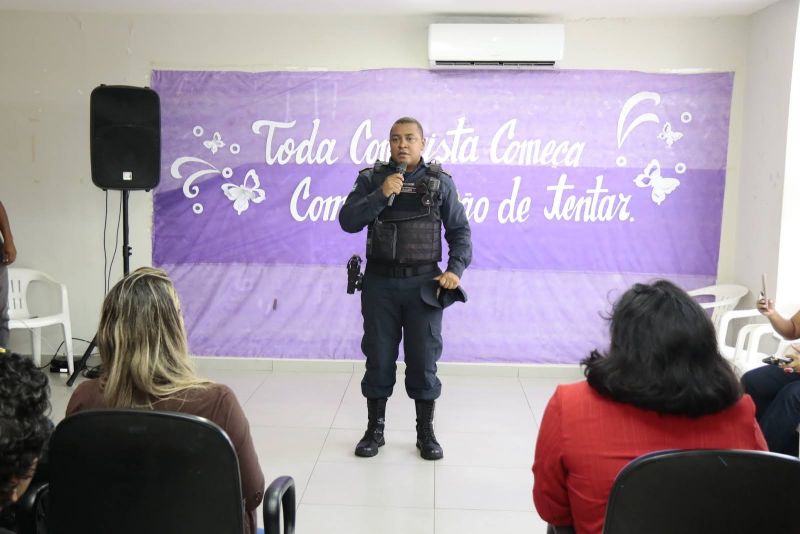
[[777, 360], [764, 304]]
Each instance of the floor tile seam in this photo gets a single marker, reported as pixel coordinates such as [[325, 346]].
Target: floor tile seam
[[318, 427], [527, 398], [498, 431], [254, 425], [295, 466], [462, 509], [293, 376], [381, 506], [399, 507], [360, 430], [277, 395], [299, 499], [475, 398], [491, 414], [366, 462], [514, 469], [410, 429], [475, 391], [255, 390], [488, 510], [314, 467], [484, 466], [327, 435], [261, 383], [512, 434], [280, 394], [468, 509]]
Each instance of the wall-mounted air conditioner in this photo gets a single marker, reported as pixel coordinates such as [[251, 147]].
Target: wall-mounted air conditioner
[[487, 46]]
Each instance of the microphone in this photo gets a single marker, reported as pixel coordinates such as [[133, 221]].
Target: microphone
[[401, 169]]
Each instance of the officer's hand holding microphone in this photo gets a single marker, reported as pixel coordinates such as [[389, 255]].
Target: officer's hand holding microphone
[[392, 185]]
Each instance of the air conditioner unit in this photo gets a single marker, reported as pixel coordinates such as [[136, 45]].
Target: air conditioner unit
[[488, 46]]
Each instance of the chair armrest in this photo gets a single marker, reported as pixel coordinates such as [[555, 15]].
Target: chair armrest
[[746, 347], [755, 338], [738, 314], [719, 303], [32, 508], [727, 317], [699, 291], [279, 494], [64, 299]]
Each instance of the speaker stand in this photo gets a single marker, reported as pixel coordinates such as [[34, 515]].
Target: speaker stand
[[126, 268]]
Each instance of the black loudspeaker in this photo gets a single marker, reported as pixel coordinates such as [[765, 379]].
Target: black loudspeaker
[[125, 137]]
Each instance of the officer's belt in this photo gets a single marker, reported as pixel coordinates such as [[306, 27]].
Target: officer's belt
[[400, 271]]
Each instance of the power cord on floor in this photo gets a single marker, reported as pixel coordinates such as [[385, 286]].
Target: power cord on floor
[[86, 369]]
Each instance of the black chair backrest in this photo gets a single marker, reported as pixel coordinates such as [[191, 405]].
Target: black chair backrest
[[135, 471], [705, 491]]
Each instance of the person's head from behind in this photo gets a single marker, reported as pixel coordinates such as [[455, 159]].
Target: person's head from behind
[[24, 425], [663, 355], [406, 141], [142, 341]]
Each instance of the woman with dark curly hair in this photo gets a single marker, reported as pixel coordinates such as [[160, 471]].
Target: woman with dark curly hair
[[24, 425], [661, 385]]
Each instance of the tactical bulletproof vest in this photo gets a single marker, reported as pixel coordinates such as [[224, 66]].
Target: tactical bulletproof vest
[[407, 232]]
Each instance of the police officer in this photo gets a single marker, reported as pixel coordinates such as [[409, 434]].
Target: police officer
[[404, 204]]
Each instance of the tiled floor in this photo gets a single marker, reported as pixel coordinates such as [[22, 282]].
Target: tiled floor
[[306, 424]]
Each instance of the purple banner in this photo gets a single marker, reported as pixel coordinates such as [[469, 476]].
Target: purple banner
[[576, 183]]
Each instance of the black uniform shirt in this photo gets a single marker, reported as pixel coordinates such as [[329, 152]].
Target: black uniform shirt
[[366, 201]]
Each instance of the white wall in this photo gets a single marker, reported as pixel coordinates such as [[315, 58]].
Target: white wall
[[760, 230], [788, 288], [50, 64], [718, 44]]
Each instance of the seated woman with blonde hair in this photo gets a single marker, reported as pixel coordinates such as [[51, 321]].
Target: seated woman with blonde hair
[[145, 359], [662, 384]]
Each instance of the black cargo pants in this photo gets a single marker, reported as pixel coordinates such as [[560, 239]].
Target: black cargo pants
[[393, 310]]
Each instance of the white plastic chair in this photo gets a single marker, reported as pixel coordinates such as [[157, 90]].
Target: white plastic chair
[[726, 297], [21, 316], [745, 349], [753, 357]]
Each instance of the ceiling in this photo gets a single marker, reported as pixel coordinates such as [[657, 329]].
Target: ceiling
[[567, 9]]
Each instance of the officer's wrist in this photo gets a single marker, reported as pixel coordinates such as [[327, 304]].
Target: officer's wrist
[[455, 270]]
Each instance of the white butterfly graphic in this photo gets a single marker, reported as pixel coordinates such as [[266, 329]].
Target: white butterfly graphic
[[662, 186], [243, 194], [215, 143], [669, 135]]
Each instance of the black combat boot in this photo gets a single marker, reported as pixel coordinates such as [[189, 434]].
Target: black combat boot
[[428, 447], [373, 437]]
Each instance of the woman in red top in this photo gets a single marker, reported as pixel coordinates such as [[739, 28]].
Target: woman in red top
[[661, 385]]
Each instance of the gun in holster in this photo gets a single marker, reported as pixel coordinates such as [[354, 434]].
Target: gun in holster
[[355, 279]]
